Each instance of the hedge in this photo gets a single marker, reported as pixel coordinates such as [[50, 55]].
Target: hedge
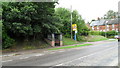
[[108, 33]]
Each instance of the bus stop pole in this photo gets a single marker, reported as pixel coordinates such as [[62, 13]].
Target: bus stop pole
[[75, 36]]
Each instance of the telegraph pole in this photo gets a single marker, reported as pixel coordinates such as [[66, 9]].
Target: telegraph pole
[[71, 21], [106, 28]]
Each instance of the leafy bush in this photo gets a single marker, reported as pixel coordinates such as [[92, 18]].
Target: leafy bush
[[84, 32], [108, 33], [110, 36], [7, 41], [81, 38], [111, 33], [67, 35], [102, 33], [94, 32]]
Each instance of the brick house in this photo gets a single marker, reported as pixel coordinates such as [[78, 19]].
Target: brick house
[[105, 25]]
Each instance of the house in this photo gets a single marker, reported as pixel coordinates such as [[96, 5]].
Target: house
[[105, 25]]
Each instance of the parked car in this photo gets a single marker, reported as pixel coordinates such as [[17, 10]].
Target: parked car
[[117, 37]]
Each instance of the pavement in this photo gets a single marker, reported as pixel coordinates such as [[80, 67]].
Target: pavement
[[101, 53], [43, 50]]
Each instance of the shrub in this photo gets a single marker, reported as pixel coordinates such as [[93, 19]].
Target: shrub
[[67, 35], [94, 32], [111, 33], [102, 33], [7, 41], [108, 33], [110, 36], [81, 38]]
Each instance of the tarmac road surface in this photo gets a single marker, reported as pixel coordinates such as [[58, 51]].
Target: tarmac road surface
[[104, 54]]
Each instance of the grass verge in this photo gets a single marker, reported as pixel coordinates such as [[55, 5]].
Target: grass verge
[[94, 38], [69, 41], [66, 47]]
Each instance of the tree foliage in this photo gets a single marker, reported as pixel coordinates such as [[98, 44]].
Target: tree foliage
[[111, 14], [32, 20], [65, 15], [29, 19]]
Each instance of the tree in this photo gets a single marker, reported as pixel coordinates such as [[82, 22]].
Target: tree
[[82, 27], [24, 20], [64, 14], [110, 14], [30, 18]]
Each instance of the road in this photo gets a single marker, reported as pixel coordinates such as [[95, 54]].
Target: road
[[104, 54]]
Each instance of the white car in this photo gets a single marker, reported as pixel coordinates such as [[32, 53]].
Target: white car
[[117, 37]]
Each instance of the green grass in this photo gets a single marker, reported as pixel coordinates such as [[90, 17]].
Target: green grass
[[95, 38], [66, 47], [68, 41]]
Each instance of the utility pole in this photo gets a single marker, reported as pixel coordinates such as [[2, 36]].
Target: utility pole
[[106, 29], [71, 21], [105, 26]]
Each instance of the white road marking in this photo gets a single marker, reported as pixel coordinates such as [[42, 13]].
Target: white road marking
[[24, 57], [45, 51], [61, 51], [7, 55], [69, 49], [83, 57], [39, 54], [59, 64], [7, 60], [52, 52], [78, 48]]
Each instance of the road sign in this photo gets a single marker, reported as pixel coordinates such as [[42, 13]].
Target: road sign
[[76, 31], [74, 27]]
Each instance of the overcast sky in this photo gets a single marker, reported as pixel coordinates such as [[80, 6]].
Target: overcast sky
[[90, 9]]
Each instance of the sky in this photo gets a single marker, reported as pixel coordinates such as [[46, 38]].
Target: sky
[[90, 9]]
